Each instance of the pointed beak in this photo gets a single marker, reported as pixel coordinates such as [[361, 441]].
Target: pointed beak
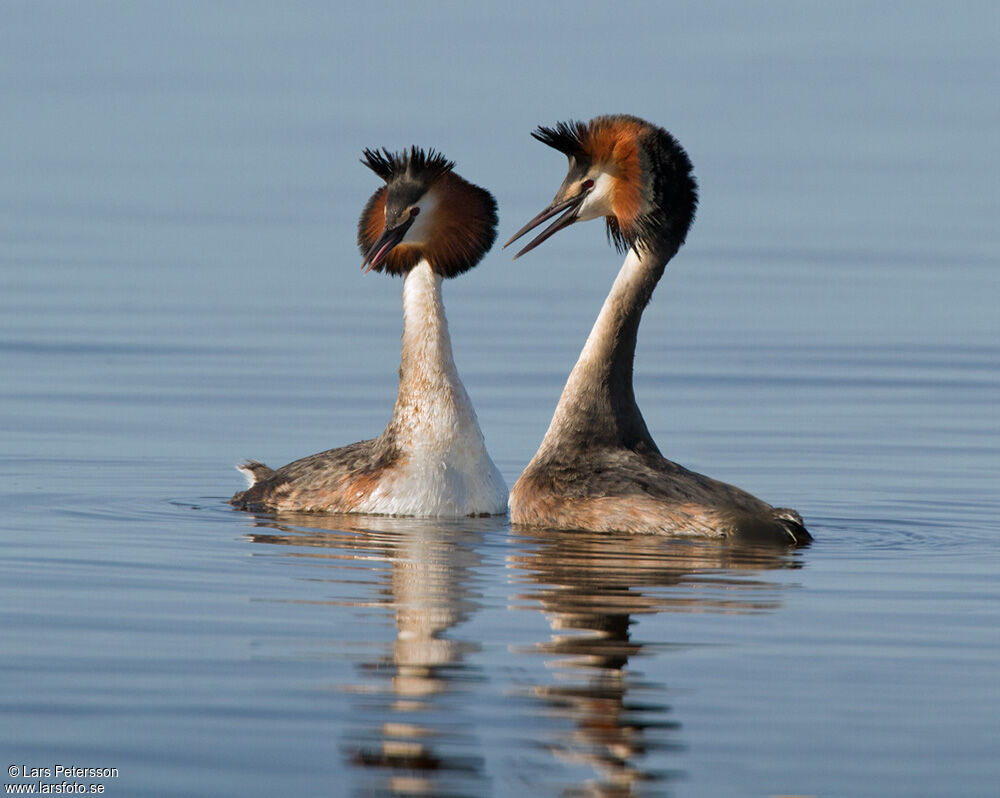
[[383, 246], [569, 208]]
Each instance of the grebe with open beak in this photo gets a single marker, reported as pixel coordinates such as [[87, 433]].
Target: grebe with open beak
[[427, 224], [598, 468]]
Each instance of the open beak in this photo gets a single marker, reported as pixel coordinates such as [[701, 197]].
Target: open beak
[[378, 251], [571, 207]]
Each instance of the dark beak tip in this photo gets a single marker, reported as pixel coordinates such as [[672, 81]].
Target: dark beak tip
[[385, 243], [567, 207]]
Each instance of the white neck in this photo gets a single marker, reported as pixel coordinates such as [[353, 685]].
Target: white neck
[[598, 406], [432, 400], [445, 469]]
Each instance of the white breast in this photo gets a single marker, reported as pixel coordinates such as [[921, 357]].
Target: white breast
[[445, 470]]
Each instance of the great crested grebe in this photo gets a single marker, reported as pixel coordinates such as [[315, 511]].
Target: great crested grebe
[[426, 223], [598, 468]]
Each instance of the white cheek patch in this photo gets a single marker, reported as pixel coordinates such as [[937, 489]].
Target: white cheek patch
[[420, 230], [598, 201]]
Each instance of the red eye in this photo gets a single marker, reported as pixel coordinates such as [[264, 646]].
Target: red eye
[[588, 184]]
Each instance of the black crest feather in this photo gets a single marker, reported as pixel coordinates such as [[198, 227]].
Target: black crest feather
[[416, 163], [567, 137]]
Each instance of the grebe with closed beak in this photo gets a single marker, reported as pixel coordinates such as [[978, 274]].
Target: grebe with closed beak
[[598, 468], [427, 224]]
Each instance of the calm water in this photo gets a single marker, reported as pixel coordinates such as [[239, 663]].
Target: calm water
[[179, 289]]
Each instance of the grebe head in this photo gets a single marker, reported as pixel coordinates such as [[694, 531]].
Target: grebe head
[[627, 170], [424, 210]]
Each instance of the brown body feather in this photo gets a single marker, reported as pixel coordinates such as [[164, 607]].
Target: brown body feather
[[616, 489], [334, 481]]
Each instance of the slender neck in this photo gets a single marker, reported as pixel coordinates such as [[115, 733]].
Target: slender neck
[[597, 406], [431, 393]]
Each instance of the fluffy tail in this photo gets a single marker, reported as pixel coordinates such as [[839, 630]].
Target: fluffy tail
[[254, 472]]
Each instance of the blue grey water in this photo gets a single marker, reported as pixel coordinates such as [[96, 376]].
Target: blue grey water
[[180, 289]]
